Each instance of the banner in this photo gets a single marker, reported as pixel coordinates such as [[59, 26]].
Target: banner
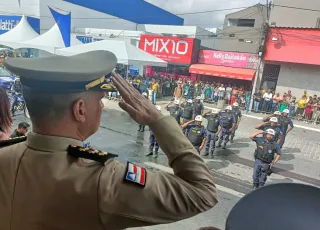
[[7, 23], [230, 59], [169, 49], [86, 39]]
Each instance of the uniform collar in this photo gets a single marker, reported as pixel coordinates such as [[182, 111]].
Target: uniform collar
[[50, 143]]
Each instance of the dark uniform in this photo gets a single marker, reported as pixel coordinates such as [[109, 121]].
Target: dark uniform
[[53, 182], [285, 122], [226, 121], [198, 108], [175, 112], [237, 115], [153, 144], [212, 128], [16, 134], [187, 115], [196, 134], [276, 128], [264, 155]]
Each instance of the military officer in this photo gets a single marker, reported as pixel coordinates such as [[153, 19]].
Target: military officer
[[286, 122], [175, 110], [276, 114], [272, 124], [188, 114], [237, 116], [50, 181], [141, 127], [227, 122], [196, 133], [213, 130], [264, 156], [198, 107], [153, 143]]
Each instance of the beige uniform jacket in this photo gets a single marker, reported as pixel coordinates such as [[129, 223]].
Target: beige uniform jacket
[[42, 187]]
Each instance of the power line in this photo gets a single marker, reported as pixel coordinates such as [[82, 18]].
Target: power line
[[297, 8]]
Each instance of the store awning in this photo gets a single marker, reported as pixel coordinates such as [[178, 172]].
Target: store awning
[[222, 71]]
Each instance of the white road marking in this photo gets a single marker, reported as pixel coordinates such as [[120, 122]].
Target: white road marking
[[259, 118], [169, 170]]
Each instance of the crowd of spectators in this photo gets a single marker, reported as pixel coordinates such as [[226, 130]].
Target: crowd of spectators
[[306, 108]]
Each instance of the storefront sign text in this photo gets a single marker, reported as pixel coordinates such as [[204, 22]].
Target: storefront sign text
[[231, 59], [170, 49]]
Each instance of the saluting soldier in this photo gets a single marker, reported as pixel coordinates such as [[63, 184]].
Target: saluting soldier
[[50, 181]]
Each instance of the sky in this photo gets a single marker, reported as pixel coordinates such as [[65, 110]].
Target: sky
[[204, 20]]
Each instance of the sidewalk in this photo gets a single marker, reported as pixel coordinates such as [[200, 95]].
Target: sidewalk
[[259, 116]]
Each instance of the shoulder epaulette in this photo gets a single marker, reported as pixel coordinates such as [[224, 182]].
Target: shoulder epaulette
[[12, 141], [89, 153]]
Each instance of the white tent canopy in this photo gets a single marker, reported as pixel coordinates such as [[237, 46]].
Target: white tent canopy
[[22, 32], [49, 41], [126, 53]]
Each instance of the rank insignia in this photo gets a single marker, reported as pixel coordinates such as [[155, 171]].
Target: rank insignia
[[136, 174], [89, 153], [12, 141]]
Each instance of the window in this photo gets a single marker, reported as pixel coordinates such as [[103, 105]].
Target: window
[[241, 22], [318, 23]]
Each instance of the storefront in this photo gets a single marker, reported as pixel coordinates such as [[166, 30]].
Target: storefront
[[291, 61], [226, 67], [179, 52]]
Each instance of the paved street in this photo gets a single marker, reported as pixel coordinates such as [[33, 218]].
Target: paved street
[[231, 169]]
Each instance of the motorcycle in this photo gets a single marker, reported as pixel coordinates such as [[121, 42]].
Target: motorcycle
[[18, 104]]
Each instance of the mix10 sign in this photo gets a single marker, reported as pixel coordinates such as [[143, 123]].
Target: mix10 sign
[[171, 49], [7, 23], [231, 59]]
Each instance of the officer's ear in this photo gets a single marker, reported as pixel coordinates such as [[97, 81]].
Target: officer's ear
[[79, 110]]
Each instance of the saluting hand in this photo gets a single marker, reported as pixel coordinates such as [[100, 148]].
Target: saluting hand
[[134, 103]]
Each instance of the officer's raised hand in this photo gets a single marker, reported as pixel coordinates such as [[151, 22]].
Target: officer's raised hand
[[134, 103]]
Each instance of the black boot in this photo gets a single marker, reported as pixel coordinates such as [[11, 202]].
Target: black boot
[[142, 130], [206, 153], [150, 153], [212, 153], [139, 128], [155, 155], [224, 146]]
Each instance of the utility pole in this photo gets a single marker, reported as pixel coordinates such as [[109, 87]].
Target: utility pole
[[263, 42]]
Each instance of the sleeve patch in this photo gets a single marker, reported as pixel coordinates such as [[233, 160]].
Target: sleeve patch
[[135, 174]]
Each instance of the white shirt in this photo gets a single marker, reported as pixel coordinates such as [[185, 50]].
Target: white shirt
[[267, 96]]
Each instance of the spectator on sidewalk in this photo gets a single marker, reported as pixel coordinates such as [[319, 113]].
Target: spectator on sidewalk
[[257, 99], [292, 106], [275, 102], [178, 92], [267, 103], [155, 89], [283, 104], [301, 106]]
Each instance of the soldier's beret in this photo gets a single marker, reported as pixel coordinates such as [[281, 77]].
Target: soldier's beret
[[78, 73], [283, 206]]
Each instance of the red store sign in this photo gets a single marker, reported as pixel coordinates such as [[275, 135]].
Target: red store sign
[[170, 49], [230, 59]]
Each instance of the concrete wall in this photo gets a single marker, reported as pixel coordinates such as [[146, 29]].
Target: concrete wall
[[259, 14], [297, 78], [288, 17]]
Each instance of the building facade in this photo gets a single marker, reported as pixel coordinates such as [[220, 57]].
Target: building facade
[[243, 30], [292, 46], [295, 16]]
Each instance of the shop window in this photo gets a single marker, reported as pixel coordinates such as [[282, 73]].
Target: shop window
[[241, 22]]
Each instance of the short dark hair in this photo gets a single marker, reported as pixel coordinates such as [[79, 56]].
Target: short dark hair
[[23, 125], [49, 107], [5, 115]]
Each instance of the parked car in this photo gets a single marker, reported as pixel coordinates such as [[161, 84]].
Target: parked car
[[6, 79]]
